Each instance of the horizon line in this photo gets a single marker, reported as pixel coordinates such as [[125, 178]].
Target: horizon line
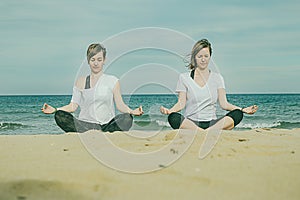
[[238, 93]]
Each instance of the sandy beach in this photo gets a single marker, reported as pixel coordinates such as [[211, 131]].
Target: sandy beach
[[254, 164]]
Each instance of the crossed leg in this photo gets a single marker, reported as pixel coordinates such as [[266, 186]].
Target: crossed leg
[[227, 122]]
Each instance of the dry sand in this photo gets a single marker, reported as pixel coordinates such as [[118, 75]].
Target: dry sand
[[255, 164]]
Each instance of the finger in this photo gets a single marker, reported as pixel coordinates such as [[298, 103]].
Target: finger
[[161, 109], [254, 108], [253, 111]]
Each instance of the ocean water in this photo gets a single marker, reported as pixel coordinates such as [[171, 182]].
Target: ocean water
[[22, 114]]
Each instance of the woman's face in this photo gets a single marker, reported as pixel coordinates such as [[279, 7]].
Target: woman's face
[[96, 62], [202, 58]]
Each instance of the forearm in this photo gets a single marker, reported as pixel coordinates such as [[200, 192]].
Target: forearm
[[68, 108], [230, 107], [122, 107], [177, 107]]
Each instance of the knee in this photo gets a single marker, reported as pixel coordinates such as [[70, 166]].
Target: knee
[[125, 121], [127, 117], [173, 116], [237, 116], [59, 115], [175, 120]]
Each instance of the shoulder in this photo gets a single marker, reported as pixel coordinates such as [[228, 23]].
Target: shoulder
[[216, 75], [109, 77], [110, 80], [184, 75], [80, 82], [217, 78]]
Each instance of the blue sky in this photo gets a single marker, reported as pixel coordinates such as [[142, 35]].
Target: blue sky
[[256, 44]]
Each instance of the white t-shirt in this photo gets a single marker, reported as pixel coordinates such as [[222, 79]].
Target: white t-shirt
[[201, 101], [96, 104]]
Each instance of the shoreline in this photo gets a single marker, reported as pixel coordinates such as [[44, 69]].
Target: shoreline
[[250, 93], [145, 131], [250, 164]]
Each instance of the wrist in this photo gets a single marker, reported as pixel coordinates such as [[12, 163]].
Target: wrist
[[55, 110]]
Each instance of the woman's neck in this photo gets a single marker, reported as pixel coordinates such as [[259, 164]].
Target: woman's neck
[[96, 76], [203, 72]]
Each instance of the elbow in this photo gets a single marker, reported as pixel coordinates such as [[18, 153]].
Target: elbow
[[121, 107], [181, 105], [118, 107], [72, 110], [73, 107], [224, 106], [180, 108]]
